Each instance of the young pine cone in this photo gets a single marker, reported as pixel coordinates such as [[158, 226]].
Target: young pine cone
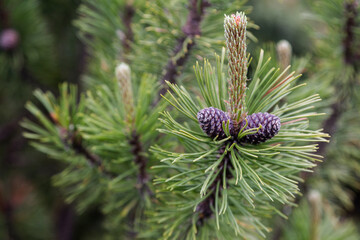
[[211, 120], [270, 127]]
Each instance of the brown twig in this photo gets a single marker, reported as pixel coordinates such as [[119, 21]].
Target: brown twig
[[191, 29], [93, 159], [129, 13]]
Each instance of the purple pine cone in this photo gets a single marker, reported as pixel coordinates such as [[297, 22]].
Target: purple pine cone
[[211, 119], [270, 127]]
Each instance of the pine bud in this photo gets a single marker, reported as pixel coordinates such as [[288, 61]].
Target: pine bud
[[284, 52], [235, 35], [270, 126], [123, 75], [211, 122], [9, 39]]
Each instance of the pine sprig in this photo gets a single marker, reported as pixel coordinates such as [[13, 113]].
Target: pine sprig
[[57, 135], [98, 138], [125, 144], [266, 171], [227, 183]]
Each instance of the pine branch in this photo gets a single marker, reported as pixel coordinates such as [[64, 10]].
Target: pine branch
[[191, 29], [141, 161]]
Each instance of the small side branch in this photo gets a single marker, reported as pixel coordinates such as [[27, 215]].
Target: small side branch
[[129, 13], [73, 140], [93, 159], [190, 30]]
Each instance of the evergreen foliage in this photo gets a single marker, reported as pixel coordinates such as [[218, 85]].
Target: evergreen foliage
[[102, 138], [215, 160]]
